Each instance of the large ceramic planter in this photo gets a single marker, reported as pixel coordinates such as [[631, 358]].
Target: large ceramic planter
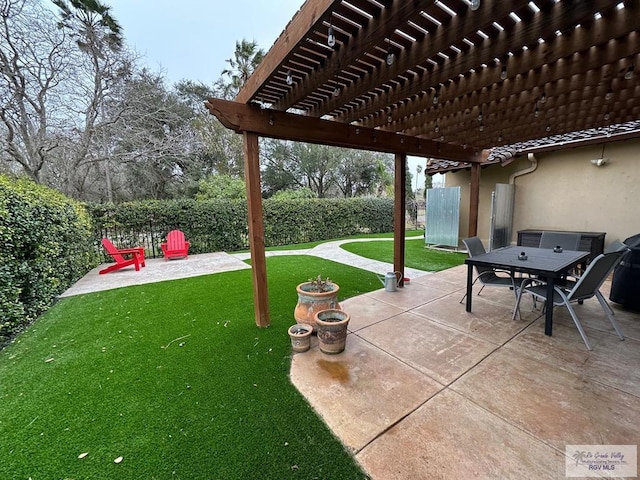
[[310, 302], [331, 326], [300, 335]]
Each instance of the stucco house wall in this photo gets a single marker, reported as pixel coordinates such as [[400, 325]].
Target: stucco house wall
[[565, 192]]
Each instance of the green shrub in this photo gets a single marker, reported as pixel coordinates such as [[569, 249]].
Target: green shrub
[[311, 219], [221, 225], [46, 244]]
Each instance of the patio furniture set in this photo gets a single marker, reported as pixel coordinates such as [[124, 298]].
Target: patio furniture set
[[548, 272]]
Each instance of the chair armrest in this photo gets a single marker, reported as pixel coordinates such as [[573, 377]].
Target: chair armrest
[[137, 251], [529, 280]]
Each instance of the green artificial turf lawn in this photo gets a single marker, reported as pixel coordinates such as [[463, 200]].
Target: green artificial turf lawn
[[175, 378], [304, 246], [416, 254]]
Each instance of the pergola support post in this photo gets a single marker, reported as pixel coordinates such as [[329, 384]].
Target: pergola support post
[[474, 199], [256, 228], [400, 191]]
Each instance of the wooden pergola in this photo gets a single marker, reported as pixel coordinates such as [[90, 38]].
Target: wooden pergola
[[448, 79]]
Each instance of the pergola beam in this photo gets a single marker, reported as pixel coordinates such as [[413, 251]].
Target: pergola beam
[[287, 126]]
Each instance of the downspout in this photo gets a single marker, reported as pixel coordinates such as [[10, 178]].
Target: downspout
[[512, 181], [531, 168]]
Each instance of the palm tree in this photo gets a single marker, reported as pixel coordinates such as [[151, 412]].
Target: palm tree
[[246, 57]]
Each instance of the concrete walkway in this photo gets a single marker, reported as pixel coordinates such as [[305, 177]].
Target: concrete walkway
[[158, 269]]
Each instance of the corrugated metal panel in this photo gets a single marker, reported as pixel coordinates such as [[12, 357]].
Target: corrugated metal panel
[[442, 216], [501, 215]]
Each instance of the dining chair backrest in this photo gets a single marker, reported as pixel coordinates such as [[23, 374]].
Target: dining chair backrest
[[595, 275], [566, 240], [615, 246], [475, 247]]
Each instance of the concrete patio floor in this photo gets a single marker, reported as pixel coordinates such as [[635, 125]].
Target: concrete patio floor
[[425, 390]]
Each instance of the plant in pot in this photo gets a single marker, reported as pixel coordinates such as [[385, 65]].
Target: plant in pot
[[331, 326], [313, 297], [300, 335]]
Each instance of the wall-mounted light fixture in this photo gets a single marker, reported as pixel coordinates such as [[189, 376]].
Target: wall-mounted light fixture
[[435, 95], [474, 5], [289, 78]]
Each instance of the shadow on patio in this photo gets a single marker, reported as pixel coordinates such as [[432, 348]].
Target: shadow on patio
[[427, 390]]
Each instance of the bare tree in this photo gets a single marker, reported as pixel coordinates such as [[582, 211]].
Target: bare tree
[[55, 75], [34, 53]]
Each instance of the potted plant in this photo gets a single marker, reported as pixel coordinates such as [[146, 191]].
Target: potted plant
[[331, 326], [313, 297], [300, 335]]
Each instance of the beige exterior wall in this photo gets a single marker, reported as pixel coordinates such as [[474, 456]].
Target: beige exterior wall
[[565, 192]]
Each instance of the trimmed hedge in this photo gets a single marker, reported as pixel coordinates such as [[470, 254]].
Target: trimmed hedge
[[45, 246], [221, 225], [289, 222]]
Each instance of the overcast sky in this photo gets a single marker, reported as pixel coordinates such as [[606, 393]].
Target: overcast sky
[[191, 39]]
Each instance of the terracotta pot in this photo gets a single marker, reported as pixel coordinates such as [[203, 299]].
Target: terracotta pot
[[300, 335], [310, 303], [331, 326]]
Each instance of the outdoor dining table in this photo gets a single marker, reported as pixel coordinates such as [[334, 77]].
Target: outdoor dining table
[[544, 263]]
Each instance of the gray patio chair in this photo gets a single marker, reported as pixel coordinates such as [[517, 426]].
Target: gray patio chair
[[487, 276], [566, 240], [615, 246], [587, 286]]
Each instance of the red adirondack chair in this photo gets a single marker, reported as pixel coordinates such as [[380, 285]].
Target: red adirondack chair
[[175, 246], [123, 257]]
